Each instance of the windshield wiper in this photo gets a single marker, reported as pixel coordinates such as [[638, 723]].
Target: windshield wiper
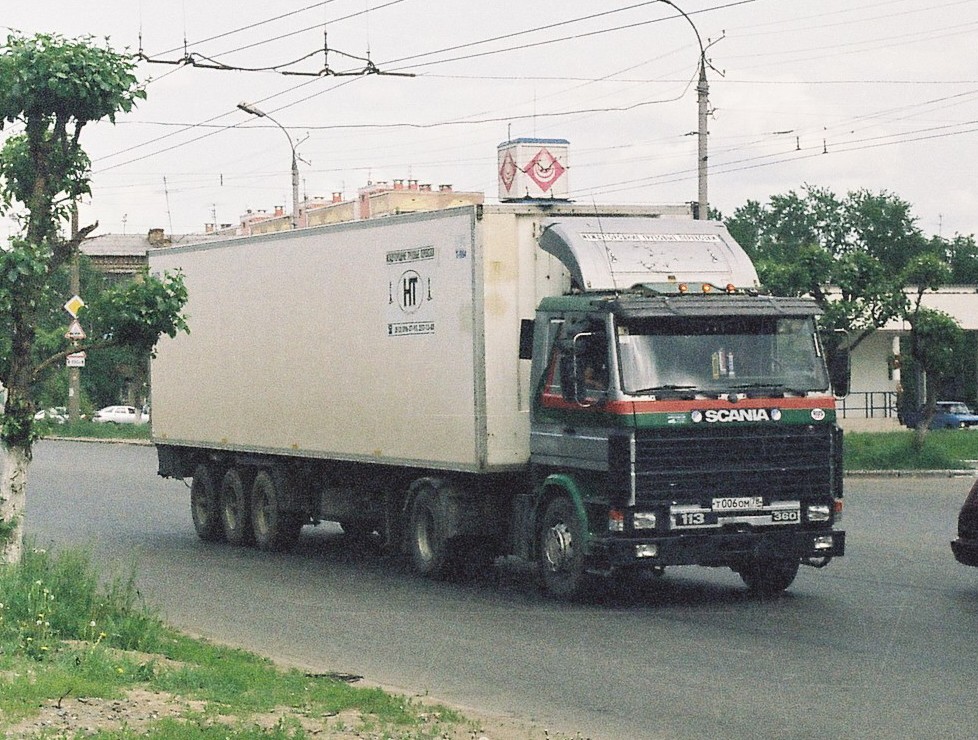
[[660, 388], [772, 387]]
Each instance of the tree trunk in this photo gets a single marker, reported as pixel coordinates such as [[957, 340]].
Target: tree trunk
[[926, 416], [14, 462]]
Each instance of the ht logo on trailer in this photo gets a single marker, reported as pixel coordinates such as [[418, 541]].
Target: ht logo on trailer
[[409, 295], [409, 291]]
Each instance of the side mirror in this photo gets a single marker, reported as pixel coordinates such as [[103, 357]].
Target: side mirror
[[840, 364], [840, 373]]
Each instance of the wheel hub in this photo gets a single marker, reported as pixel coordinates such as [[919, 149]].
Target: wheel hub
[[559, 546]]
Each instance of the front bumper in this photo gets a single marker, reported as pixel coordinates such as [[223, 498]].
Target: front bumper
[[965, 551], [716, 549]]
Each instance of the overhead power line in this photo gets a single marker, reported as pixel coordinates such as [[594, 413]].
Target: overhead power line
[[201, 61], [269, 39]]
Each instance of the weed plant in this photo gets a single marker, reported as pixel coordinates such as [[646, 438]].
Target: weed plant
[[64, 631]]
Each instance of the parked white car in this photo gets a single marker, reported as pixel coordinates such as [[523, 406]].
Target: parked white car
[[119, 415], [55, 414]]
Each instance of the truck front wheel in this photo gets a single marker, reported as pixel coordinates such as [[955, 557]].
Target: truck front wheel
[[427, 544], [275, 528], [235, 508], [205, 506], [768, 576], [561, 549]]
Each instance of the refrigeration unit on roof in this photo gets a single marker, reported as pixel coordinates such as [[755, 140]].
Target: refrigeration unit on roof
[[533, 169]]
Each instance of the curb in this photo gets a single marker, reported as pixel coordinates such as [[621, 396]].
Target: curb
[[968, 473], [100, 440]]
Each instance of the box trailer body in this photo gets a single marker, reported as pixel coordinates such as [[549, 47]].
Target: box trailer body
[[403, 376]]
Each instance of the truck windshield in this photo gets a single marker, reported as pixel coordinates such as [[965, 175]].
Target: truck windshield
[[720, 354]]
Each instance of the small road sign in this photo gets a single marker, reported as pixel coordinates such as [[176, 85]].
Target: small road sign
[[75, 331], [75, 360], [74, 305]]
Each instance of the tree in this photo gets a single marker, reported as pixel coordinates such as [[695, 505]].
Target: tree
[[102, 383], [805, 244], [859, 257], [935, 337], [54, 87], [962, 256], [849, 254]]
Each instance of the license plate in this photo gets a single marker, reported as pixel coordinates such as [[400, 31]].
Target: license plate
[[738, 503]]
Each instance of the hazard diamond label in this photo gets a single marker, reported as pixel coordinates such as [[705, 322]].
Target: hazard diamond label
[[545, 170], [508, 171]]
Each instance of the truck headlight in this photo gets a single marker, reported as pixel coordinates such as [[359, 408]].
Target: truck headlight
[[643, 520], [823, 542], [819, 513]]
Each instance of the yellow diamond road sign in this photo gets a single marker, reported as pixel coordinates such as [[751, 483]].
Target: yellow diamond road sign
[[74, 305]]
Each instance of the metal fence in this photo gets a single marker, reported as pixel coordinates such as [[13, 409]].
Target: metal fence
[[869, 405]]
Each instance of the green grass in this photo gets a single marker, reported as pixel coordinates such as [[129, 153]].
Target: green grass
[[943, 450], [66, 632]]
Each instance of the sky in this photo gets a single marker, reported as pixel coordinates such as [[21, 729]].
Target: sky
[[839, 94]]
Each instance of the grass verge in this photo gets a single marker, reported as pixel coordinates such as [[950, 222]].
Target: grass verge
[[67, 635], [90, 429], [952, 449]]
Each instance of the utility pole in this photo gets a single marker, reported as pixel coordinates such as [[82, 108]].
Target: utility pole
[[74, 373], [703, 106], [703, 103]]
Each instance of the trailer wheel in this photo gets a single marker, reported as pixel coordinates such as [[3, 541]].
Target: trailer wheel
[[429, 549], [275, 529], [205, 505], [768, 576], [561, 549], [235, 508]]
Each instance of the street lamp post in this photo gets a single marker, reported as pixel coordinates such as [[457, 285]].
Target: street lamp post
[[702, 101], [252, 110]]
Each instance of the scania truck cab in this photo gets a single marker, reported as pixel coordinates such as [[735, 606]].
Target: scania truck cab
[[685, 421]]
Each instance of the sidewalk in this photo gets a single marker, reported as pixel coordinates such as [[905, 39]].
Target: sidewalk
[[888, 424]]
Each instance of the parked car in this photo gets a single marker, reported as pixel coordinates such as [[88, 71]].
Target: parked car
[[55, 415], [119, 415], [965, 547], [948, 415]]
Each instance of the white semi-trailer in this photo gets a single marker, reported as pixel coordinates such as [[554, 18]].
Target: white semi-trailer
[[596, 390]]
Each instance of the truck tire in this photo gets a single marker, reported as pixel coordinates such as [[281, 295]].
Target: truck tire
[[768, 576], [205, 505], [428, 547], [561, 551], [236, 508], [275, 529]]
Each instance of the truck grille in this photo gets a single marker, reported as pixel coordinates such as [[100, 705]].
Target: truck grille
[[687, 464]]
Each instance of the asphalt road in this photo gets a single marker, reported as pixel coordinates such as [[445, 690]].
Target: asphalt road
[[880, 644]]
